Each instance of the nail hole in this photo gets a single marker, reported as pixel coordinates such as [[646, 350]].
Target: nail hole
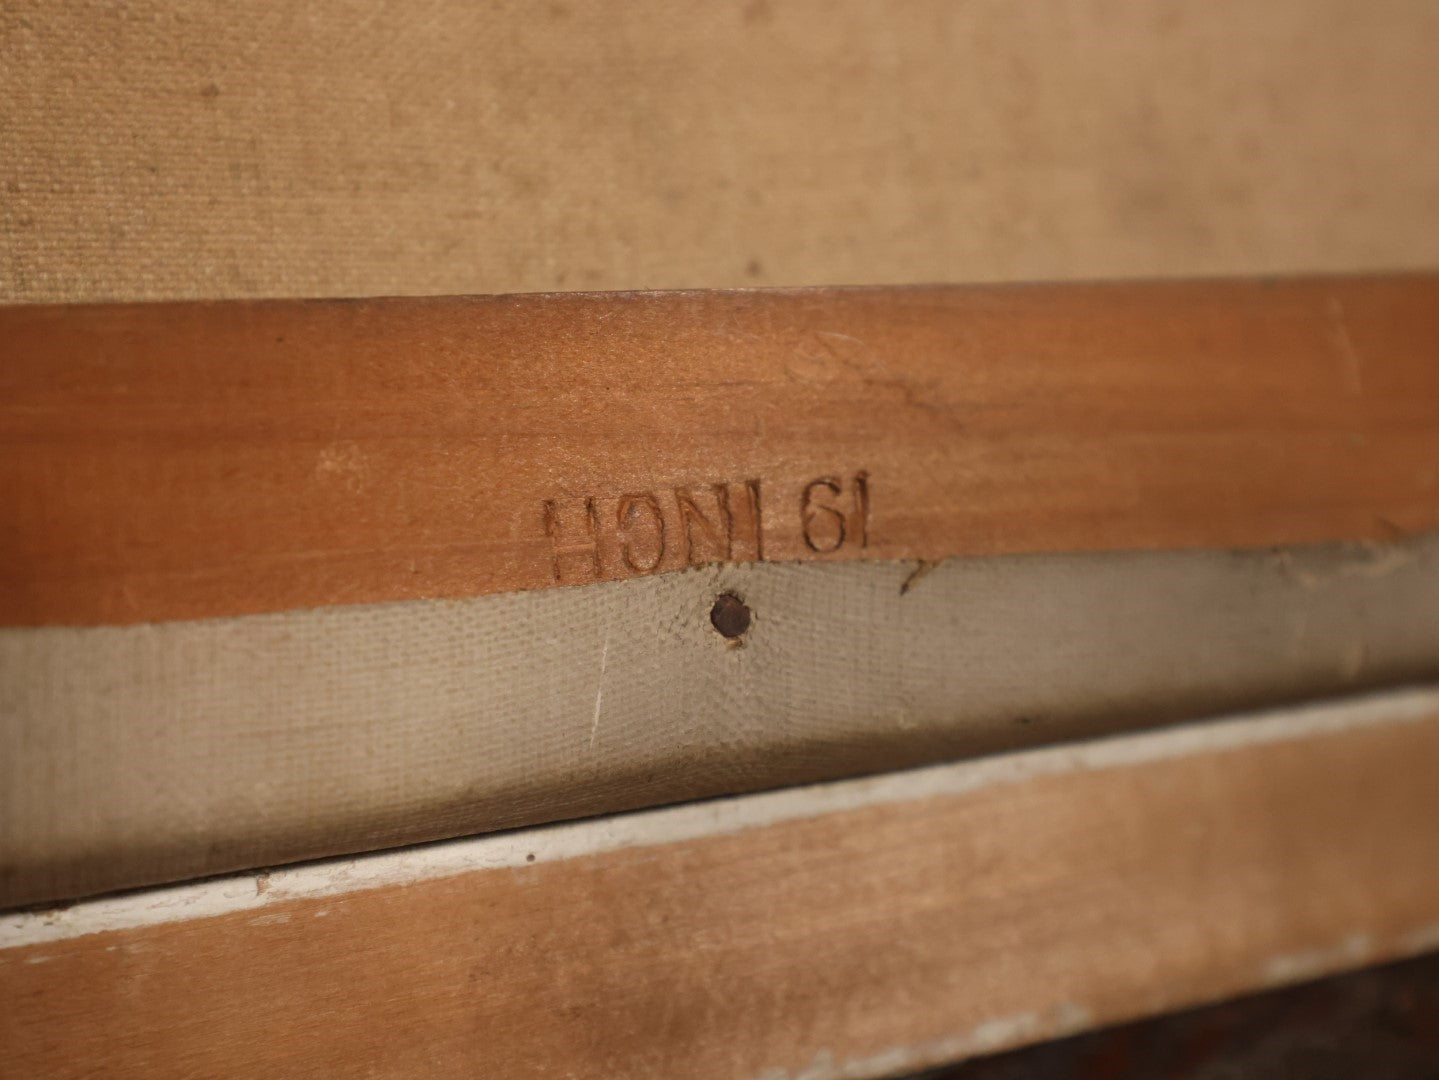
[[730, 616]]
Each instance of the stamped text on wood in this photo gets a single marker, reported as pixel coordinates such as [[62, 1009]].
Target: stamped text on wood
[[596, 537], [176, 461]]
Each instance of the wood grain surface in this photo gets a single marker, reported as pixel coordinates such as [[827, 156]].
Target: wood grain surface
[[180, 461], [990, 904]]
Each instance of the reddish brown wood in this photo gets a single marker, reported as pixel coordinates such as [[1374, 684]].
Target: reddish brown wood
[[192, 460]]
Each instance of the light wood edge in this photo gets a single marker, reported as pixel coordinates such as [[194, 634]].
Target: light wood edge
[[233, 893], [845, 930]]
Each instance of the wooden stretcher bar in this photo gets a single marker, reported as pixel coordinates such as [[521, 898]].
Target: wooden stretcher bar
[[848, 930], [187, 461]]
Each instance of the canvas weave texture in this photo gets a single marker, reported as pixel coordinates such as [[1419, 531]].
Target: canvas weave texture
[[151, 149], [131, 755]]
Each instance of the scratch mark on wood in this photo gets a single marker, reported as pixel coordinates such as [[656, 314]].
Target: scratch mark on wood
[[600, 691], [1353, 362], [924, 567]]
